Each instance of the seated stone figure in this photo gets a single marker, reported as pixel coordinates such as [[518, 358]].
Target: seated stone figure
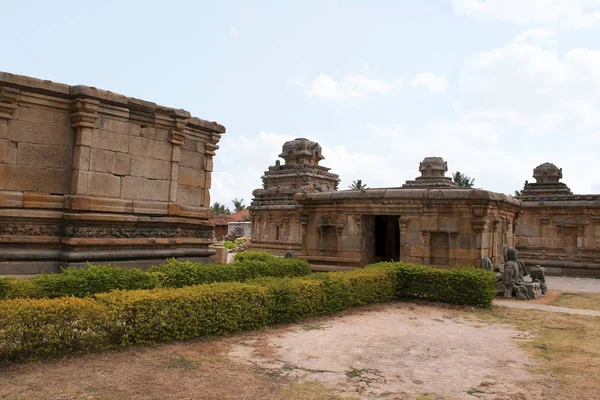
[[538, 274], [514, 285]]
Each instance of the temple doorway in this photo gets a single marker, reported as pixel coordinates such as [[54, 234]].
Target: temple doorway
[[387, 238]]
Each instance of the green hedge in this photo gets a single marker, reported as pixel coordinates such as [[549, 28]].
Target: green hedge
[[40, 328], [175, 273], [86, 282], [36, 328], [464, 285], [159, 315]]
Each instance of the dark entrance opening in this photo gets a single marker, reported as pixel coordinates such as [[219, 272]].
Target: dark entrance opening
[[387, 238]]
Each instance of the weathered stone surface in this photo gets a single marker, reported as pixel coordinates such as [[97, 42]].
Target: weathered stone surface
[[192, 159], [144, 189], [44, 155], [111, 162], [150, 168], [87, 174]]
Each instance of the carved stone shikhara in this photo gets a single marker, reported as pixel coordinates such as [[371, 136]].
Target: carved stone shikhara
[[87, 174], [276, 223]]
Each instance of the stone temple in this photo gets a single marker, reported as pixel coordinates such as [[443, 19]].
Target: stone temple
[[90, 175], [428, 220]]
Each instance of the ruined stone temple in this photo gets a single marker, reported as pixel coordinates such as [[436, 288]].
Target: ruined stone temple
[[557, 229], [428, 220], [90, 175], [276, 223]]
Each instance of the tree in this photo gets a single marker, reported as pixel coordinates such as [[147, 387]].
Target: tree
[[357, 185], [220, 209], [517, 193], [463, 180], [238, 205]]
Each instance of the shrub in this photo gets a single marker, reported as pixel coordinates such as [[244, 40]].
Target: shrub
[[336, 292], [84, 282], [33, 329], [255, 255], [368, 286], [175, 273], [293, 298], [173, 314], [228, 244], [19, 288], [466, 285]]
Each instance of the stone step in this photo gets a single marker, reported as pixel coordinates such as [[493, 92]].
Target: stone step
[[329, 268]]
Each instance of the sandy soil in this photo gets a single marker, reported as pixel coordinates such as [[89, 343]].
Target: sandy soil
[[399, 351]]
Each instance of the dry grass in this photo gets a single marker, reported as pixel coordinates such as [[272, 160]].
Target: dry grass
[[566, 345], [588, 301]]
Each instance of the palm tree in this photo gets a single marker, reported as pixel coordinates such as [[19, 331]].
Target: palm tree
[[463, 180], [220, 209], [357, 185], [238, 205]]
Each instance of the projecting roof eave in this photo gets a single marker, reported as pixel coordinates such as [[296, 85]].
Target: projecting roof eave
[[406, 194]]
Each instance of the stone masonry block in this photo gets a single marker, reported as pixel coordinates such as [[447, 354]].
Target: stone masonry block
[[141, 146], [41, 179], [44, 155], [191, 177], [106, 185], [8, 152], [189, 195], [111, 162], [138, 188], [191, 159], [118, 126], [21, 131], [150, 168], [113, 141], [45, 116]]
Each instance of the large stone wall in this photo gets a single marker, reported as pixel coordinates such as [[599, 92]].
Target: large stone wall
[[90, 175]]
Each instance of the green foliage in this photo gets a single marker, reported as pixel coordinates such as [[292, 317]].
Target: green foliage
[[357, 185], [228, 244], [19, 288], [220, 209], [368, 286], [293, 299], [4, 287], [177, 273], [238, 205], [336, 293], [463, 180], [159, 315], [33, 329], [84, 282], [466, 285], [255, 255]]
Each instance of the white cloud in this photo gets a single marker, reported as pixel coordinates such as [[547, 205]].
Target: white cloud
[[576, 13], [233, 32], [351, 86], [435, 83], [537, 36]]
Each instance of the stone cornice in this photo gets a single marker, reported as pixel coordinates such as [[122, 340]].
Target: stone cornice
[[9, 99]]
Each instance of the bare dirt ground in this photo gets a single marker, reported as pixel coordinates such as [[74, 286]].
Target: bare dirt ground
[[392, 351], [398, 351]]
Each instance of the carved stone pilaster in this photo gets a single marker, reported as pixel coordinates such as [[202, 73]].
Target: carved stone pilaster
[[9, 100], [84, 113]]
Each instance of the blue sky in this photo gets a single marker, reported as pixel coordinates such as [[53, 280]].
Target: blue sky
[[495, 87]]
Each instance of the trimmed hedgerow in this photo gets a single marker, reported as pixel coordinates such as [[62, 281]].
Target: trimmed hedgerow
[[159, 315], [4, 287], [368, 286], [19, 288], [85, 282], [255, 255], [465, 285], [175, 273], [293, 299], [336, 292], [39, 328]]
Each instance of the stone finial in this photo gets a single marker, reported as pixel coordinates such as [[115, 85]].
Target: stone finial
[[547, 173], [433, 167], [300, 151], [433, 175]]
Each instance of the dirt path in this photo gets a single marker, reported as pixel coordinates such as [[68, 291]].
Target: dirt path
[[398, 351]]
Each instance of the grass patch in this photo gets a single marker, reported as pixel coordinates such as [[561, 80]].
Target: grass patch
[[587, 301], [567, 347]]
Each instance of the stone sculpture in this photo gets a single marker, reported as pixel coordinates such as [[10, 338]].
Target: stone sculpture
[[512, 283]]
